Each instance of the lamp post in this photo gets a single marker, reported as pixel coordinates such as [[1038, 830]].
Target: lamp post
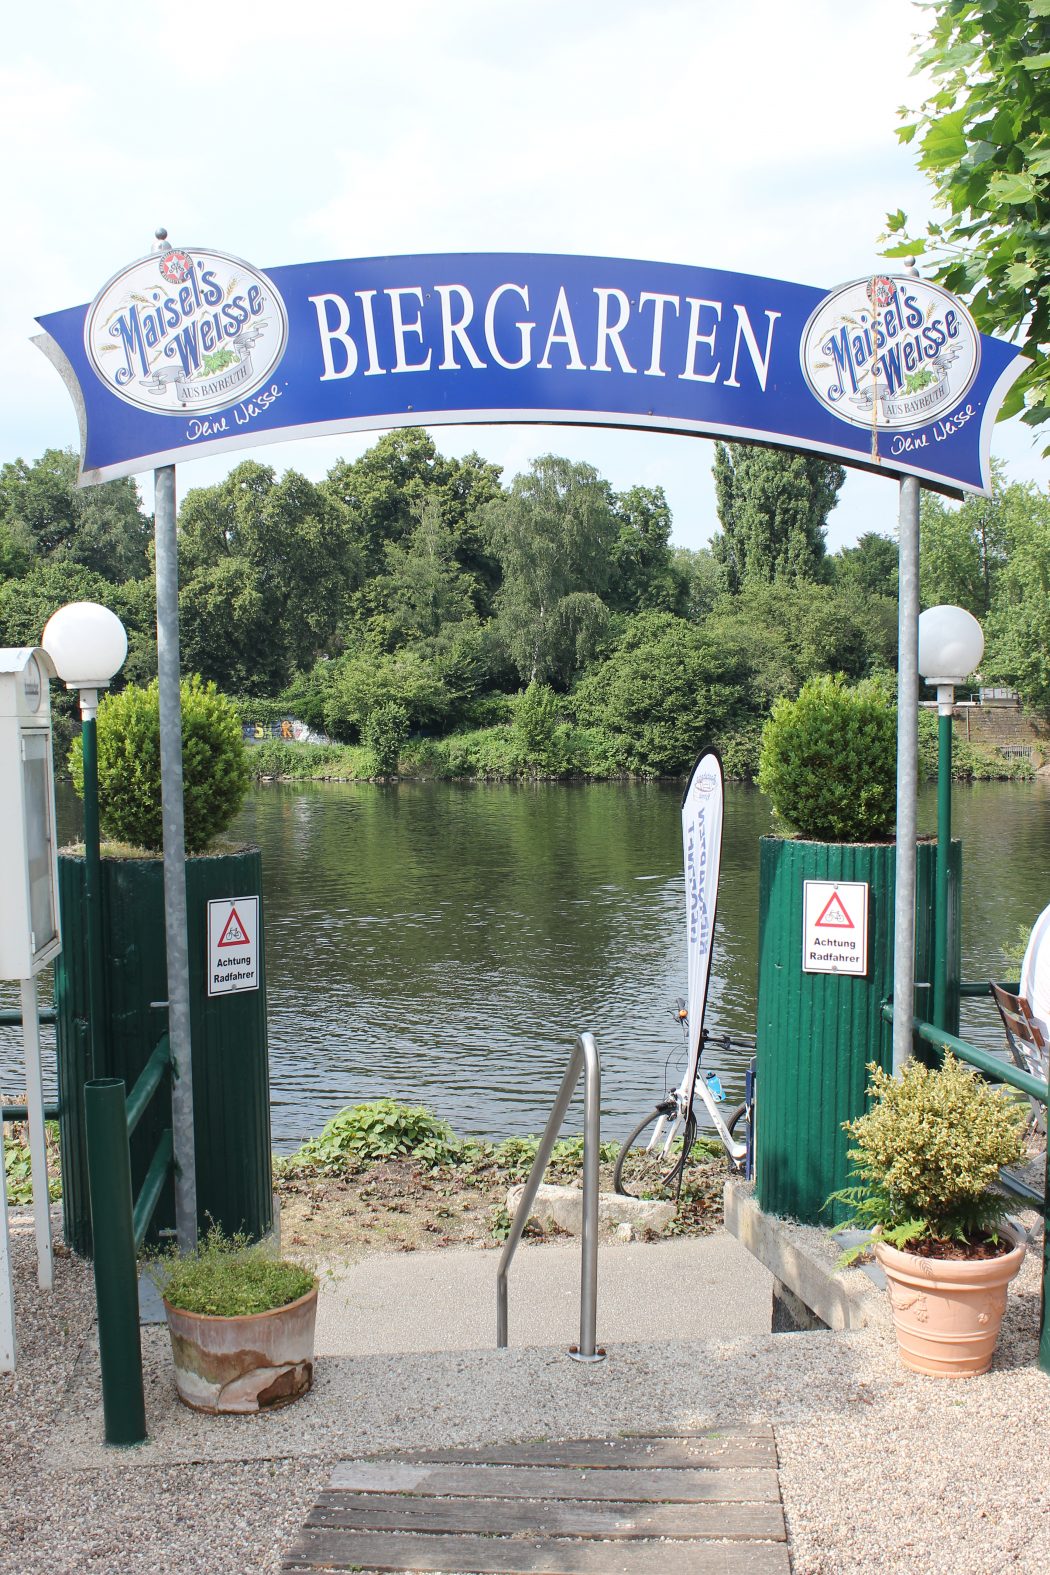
[[88, 644], [951, 644]]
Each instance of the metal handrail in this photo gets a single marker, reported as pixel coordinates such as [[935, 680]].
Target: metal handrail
[[983, 1061], [584, 1060]]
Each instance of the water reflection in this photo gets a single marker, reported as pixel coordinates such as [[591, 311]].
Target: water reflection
[[443, 943]]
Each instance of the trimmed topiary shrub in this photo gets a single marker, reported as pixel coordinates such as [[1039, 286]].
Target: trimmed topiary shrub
[[829, 762], [214, 767]]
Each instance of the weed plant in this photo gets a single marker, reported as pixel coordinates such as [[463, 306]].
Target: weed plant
[[230, 1277]]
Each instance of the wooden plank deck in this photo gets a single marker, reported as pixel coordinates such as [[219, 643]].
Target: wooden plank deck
[[668, 1504]]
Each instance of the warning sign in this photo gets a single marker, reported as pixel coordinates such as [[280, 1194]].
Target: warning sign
[[835, 927], [233, 945]]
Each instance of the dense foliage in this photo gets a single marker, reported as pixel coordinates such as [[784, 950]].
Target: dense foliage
[[928, 1151], [829, 762], [433, 621], [214, 769], [984, 141]]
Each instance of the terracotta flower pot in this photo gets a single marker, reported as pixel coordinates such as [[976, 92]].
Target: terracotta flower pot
[[246, 1364], [947, 1311]]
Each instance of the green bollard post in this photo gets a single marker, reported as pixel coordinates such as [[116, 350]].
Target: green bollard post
[[116, 1279]]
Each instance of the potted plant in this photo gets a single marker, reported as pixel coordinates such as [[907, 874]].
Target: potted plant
[[826, 933], [241, 1322], [924, 1160]]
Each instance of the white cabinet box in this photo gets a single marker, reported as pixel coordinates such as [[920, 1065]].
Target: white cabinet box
[[29, 928]]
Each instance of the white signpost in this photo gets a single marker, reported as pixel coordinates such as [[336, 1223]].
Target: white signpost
[[835, 927], [29, 931], [233, 945]]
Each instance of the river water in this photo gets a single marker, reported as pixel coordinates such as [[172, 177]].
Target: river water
[[443, 943]]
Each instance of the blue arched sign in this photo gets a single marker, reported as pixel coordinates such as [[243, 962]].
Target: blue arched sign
[[191, 351]]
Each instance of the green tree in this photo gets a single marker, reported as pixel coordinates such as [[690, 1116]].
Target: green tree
[[698, 577], [870, 566], [385, 733], [790, 633], [963, 547], [553, 535], [386, 490], [668, 689], [984, 141], [101, 527], [643, 574], [361, 684], [422, 588], [535, 722], [285, 554], [1017, 630], [773, 509]]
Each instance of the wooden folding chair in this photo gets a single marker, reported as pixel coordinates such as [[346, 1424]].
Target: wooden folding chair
[[1026, 1044]]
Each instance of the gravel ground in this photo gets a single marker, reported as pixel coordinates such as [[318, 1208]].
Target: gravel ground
[[881, 1471]]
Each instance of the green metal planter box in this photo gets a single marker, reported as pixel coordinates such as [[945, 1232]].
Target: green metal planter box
[[231, 1081], [817, 1032]]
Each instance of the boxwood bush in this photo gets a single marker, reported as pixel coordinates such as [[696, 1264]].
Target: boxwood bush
[[214, 768], [828, 761]]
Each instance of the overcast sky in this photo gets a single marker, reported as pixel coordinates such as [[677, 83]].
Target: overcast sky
[[758, 137]]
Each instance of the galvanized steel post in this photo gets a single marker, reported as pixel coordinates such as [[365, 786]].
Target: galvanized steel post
[[174, 857], [907, 770], [116, 1281], [592, 1097]]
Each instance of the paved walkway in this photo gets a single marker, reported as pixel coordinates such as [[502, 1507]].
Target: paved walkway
[[710, 1289]]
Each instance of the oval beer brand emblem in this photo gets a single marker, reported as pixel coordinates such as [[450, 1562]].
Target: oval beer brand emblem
[[890, 352], [184, 330]]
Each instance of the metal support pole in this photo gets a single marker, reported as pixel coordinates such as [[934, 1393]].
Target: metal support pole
[[116, 1281], [45, 1262], [946, 701], [92, 883], [592, 1102], [907, 771], [174, 857]]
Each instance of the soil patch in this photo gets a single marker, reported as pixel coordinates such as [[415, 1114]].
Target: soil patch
[[399, 1205]]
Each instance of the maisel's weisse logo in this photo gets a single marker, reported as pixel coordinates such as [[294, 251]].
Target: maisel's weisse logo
[[186, 330], [890, 353]]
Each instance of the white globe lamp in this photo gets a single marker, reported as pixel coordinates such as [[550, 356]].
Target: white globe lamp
[[87, 643]]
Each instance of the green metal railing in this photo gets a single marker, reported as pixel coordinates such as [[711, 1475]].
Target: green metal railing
[[119, 1223], [997, 1071]]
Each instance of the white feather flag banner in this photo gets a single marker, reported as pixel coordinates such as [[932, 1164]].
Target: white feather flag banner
[[702, 808]]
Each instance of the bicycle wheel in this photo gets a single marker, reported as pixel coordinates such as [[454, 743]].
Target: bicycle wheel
[[733, 1116], [629, 1142]]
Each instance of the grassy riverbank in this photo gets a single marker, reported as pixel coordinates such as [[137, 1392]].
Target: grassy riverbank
[[498, 754]]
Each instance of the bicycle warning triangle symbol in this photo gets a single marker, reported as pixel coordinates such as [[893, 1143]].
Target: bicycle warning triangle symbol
[[834, 916], [234, 933]]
